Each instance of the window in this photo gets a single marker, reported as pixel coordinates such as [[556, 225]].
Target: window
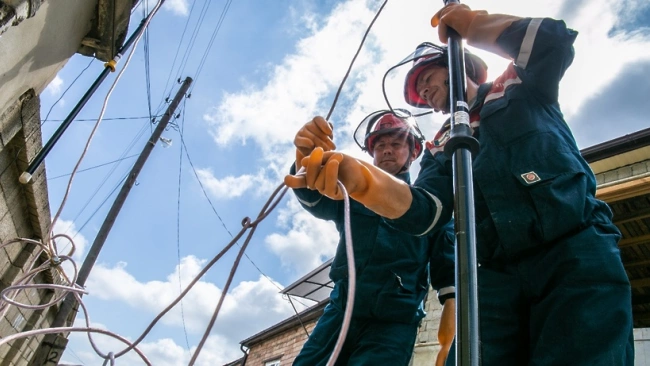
[[275, 362]]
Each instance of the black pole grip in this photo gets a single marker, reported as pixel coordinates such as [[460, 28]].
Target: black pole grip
[[461, 146]]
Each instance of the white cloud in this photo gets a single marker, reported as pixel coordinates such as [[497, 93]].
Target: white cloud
[[231, 187], [63, 245], [160, 352], [307, 243], [55, 86], [178, 7], [599, 59], [302, 85], [272, 113], [249, 307]]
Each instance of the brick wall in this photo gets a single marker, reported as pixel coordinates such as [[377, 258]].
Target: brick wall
[[285, 346], [24, 212], [426, 344]]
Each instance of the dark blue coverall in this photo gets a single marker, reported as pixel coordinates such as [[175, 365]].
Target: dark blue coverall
[[552, 288], [392, 279]]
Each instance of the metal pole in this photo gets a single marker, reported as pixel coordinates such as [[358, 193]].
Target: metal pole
[[461, 145], [53, 344], [26, 176], [93, 253]]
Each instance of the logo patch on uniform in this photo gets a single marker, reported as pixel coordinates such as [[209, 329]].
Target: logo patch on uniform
[[442, 140], [530, 177]]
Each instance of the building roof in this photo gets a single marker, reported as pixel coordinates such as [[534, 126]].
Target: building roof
[[624, 166], [108, 30], [315, 285], [607, 150], [306, 315]]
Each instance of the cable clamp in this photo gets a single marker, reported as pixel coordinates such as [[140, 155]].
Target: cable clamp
[[111, 64]]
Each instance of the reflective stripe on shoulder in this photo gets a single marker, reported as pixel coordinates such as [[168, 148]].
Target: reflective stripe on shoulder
[[446, 291], [438, 212], [499, 89], [527, 44], [309, 204]]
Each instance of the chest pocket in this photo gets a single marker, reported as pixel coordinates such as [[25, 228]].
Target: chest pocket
[[547, 202], [399, 301], [514, 116], [557, 189]]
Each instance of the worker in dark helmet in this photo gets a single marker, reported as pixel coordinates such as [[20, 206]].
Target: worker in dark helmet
[[552, 287], [394, 269]]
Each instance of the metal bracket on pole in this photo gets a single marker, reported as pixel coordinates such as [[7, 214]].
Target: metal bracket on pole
[[461, 146]]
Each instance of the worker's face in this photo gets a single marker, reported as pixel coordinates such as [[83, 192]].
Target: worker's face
[[432, 86], [391, 153]]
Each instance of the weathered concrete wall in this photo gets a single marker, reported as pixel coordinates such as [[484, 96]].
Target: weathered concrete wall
[[642, 347], [625, 172], [24, 213], [33, 51]]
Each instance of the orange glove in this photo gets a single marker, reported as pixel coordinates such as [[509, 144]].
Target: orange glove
[[479, 28], [315, 133], [379, 191], [447, 330]]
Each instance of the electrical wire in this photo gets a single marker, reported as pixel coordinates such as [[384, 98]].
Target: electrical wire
[[103, 110], [66, 90], [106, 119], [50, 248], [347, 73], [178, 225], [193, 37], [117, 185], [188, 49], [94, 167], [106, 177], [147, 69], [223, 224], [45, 120], [171, 71], [224, 12]]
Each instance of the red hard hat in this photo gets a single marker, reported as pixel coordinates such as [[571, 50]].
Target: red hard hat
[[386, 122], [428, 54]]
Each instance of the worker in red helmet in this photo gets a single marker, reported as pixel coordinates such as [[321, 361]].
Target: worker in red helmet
[[394, 269], [550, 275], [428, 55], [382, 128]]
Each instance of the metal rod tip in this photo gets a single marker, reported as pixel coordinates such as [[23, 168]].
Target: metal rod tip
[[25, 178]]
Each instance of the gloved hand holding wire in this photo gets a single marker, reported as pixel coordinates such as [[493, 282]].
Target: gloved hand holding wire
[[365, 183], [479, 28], [315, 133]]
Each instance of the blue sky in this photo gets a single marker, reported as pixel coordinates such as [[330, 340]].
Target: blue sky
[[272, 66]]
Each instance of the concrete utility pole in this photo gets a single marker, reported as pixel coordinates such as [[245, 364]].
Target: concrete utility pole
[[53, 345]]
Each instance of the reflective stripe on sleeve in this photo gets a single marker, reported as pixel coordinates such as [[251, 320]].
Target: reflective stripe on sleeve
[[446, 291], [438, 212], [527, 44], [310, 204]]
